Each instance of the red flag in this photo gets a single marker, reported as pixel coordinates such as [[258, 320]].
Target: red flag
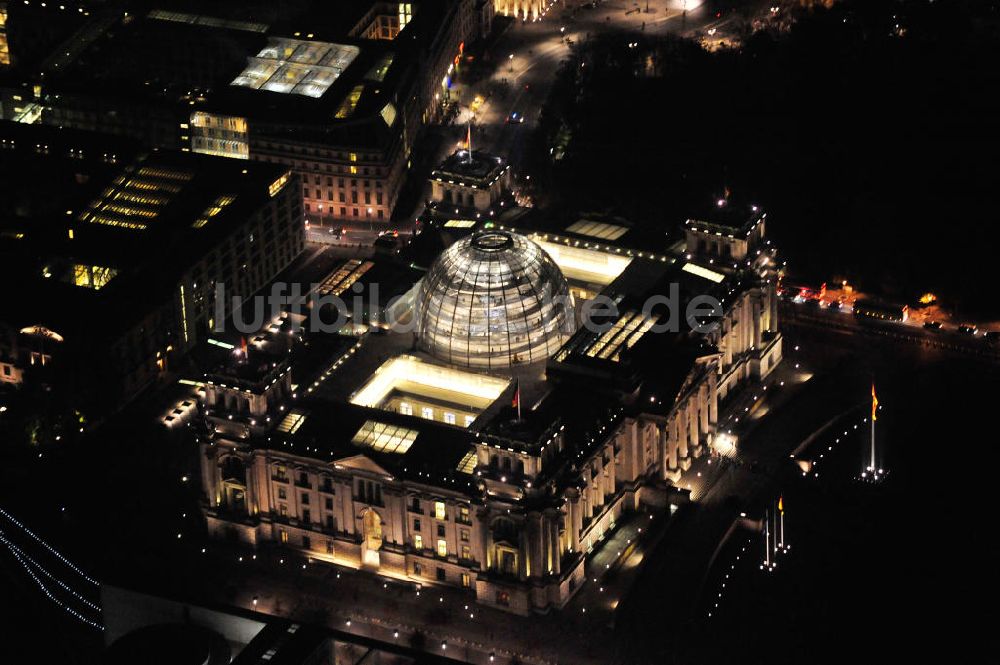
[[516, 400], [874, 403], [468, 139]]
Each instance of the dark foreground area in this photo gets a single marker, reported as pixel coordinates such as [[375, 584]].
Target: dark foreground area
[[871, 568]]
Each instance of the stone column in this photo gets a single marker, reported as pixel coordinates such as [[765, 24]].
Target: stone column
[[210, 473], [713, 398], [756, 323], [682, 427], [556, 544], [253, 487], [703, 408], [523, 552], [485, 540], [538, 536], [772, 304], [693, 423], [598, 481], [635, 442], [576, 524], [546, 539]]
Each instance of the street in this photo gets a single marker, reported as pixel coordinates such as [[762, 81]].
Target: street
[[503, 106]]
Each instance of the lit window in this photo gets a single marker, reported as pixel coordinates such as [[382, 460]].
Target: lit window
[[284, 536], [468, 420], [418, 542], [442, 548], [406, 408], [466, 580], [449, 418], [427, 412], [439, 510]]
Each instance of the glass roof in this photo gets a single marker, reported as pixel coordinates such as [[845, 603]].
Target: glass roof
[[597, 230], [297, 67], [385, 438], [492, 300]]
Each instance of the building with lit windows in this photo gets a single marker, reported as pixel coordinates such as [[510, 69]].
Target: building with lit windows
[[338, 93], [4, 42], [118, 251], [410, 460]]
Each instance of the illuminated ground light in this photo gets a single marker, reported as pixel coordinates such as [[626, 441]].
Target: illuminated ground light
[[725, 581], [724, 444]]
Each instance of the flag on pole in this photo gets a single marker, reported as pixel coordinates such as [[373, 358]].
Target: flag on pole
[[468, 138], [874, 403], [516, 401]]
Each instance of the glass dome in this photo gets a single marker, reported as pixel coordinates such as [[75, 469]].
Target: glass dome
[[492, 300]]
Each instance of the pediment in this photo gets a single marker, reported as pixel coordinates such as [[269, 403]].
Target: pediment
[[361, 463]]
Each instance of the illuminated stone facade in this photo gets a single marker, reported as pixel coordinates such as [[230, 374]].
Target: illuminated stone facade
[[508, 508], [528, 10]]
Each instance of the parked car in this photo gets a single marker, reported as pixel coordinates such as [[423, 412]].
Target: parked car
[[932, 325], [968, 329], [992, 336]]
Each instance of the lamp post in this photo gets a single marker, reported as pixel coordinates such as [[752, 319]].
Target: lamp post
[[510, 59]]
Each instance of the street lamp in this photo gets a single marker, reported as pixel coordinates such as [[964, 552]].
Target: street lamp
[[510, 58], [254, 603]]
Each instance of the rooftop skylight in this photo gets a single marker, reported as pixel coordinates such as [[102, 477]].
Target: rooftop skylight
[[297, 67]]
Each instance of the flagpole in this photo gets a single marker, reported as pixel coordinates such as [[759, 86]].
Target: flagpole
[[871, 461], [873, 467], [781, 521], [767, 539]]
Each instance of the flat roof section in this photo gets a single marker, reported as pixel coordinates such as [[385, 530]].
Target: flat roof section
[[597, 229], [590, 266]]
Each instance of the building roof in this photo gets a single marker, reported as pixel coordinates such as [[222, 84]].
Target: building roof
[[305, 65], [727, 217], [296, 66], [410, 447], [472, 169], [99, 231]]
